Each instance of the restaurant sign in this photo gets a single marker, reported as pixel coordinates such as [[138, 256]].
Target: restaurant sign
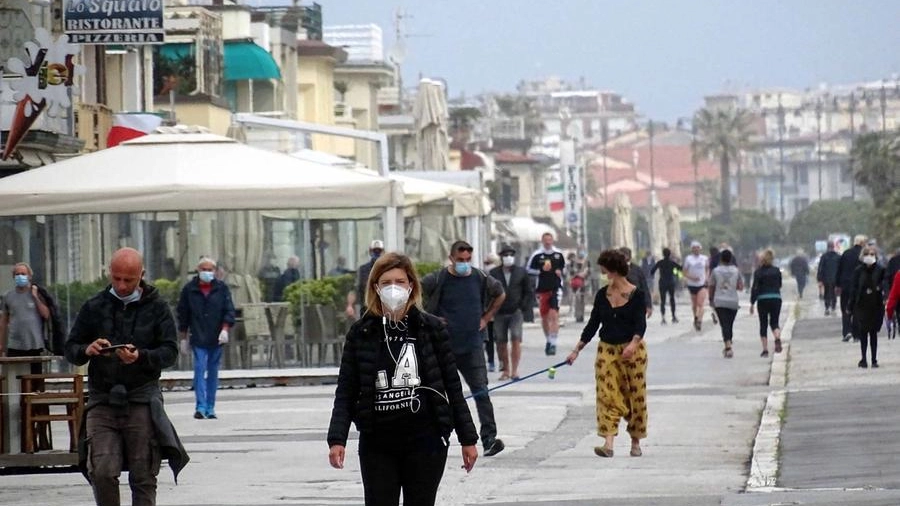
[[114, 21]]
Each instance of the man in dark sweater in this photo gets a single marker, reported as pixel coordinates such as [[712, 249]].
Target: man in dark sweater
[[826, 275], [849, 262]]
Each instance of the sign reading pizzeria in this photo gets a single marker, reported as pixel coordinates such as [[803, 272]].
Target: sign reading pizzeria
[[114, 21]]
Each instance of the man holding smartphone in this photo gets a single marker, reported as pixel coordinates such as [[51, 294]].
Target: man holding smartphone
[[127, 335]]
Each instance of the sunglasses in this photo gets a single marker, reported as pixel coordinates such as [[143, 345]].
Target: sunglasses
[[461, 249]]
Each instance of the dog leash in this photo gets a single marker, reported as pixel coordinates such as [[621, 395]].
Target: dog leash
[[551, 373]]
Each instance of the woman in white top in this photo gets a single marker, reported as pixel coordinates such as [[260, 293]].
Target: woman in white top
[[696, 271], [724, 285]]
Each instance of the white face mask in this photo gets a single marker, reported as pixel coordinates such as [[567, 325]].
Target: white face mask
[[394, 297], [508, 261], [128, 299], [869, 259]]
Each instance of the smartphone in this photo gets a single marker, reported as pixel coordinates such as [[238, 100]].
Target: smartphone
[[113, 347]]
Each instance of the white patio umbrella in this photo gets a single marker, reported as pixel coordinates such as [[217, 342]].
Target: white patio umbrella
[[659, 236], [431, 118], [623, 227], [673, 230]]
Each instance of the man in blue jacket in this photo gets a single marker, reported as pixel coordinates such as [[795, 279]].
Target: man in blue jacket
[[206, 309]]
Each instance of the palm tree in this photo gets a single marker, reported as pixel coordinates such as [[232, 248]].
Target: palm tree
[[721, 134], [876, 164]]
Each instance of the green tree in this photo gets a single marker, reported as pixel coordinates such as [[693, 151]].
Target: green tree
[[876, 165], [461, 121], [721, 134], [748, 231], [825, 217]]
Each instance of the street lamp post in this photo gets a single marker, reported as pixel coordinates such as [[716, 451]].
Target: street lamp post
[[781, 156], [819, 143], [852, 109], [694, 165]]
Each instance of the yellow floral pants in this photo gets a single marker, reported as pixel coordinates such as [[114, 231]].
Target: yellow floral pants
[[621, 390]]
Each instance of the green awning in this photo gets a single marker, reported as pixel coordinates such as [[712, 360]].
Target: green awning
[[245, 60], [176, 51]]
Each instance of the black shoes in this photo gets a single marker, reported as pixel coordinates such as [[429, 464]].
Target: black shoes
[[874, 364], [198, 415], [674, 320], [863, 365], [847, 337], [494, 448], [549, 349]]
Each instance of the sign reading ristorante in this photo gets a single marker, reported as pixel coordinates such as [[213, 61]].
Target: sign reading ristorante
[[114, 21]]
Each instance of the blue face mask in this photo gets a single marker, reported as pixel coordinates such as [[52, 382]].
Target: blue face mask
[[461, 268], [21, 280], [206, 276], [128, 299]]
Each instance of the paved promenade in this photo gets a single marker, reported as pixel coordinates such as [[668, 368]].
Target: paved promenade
[[705, 447]]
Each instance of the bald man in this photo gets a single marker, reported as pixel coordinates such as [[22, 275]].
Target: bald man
[[127, 335]]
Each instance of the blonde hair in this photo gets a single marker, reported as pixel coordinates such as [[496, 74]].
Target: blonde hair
[[767, 257], [386, 262], [25, 265]]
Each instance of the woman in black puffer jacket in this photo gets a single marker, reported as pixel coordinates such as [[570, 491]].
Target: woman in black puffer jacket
[[399, 384], [867, 303]]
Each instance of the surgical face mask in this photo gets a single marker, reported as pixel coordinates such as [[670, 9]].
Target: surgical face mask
[[394, 297], [461, 268], [869, 259], [509, 261], [206, 276], [21, 280], [128, 299]]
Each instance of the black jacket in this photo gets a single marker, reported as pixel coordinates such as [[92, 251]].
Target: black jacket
[[519, 291], [147, 324], [638, 278], [849, 262], [766, 281], [204, 315], [828, 268], [354, 397]]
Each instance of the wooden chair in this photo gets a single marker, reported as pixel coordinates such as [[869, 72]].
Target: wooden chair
[[37, 403]]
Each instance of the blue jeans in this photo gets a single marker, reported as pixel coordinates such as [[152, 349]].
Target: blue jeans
[[206, 378]]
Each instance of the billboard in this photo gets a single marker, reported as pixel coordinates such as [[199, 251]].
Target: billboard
[[114, 21]]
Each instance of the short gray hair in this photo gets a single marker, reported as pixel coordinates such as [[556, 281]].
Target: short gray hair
[[206, 260]]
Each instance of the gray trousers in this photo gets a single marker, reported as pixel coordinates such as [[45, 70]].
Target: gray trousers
[[120, 437]]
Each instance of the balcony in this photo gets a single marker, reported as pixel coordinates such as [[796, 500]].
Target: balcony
[[92, 124]]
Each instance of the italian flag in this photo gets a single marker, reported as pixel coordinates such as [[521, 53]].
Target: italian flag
[[127, 126], [555, 197]]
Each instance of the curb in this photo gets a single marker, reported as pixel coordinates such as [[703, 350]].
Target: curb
[[764, 459]]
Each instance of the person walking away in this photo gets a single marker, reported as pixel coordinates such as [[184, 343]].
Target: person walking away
[[125, 423], [508, 320], [826, 276], [398, 383], [766, 291], [580, 278], [866, 303], [548, 264], [466, 299], [490, 262], [846, 268], [376, 249], [799, 268], [638, 278], [205, 312], [621, 364], [696, 271], [667, 281], [725, 283]]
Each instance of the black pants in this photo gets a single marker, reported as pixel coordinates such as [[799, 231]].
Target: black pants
[[769, 313], [413, 465], [865, 338], [801, 285], [726, 321], [471, 366], [489, 344], [830, 297], [665, 288], [846, 314]]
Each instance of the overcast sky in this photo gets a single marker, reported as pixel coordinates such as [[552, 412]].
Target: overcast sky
[[662, 55]]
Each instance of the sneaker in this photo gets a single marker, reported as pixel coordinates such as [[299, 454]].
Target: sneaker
[[727, 353], [874, 364], [764, 354], [847, 337], [862, 364], [715, 318], [827, 312], [778, 346], [491, 367], [547, 349], [496, 447], [551, 350], [198, 415], [674, 320], [697, 325], [211, 416]]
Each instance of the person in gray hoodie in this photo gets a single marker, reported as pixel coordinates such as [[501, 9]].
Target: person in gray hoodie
[[725, 283]]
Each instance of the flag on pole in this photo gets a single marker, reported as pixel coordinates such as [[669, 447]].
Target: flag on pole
[[127, 126], [555, 197]]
